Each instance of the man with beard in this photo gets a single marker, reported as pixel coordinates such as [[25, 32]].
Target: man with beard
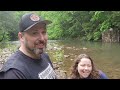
[[30, 61]]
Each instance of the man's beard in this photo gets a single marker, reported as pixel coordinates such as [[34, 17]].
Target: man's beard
[[36, 52]]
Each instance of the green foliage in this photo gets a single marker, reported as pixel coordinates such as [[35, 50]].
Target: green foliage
[[104, 26], [84, 25], [59, 55], [97, 36], [5, 25]]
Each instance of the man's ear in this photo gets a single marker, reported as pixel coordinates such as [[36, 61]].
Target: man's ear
[[20, 36]]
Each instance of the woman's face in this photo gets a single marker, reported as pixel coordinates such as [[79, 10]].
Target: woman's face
[[84, 67]]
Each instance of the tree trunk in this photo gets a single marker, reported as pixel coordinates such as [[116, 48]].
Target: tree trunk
[[111, 35]]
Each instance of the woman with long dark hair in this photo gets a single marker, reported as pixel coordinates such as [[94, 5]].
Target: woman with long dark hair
[[84, 68]]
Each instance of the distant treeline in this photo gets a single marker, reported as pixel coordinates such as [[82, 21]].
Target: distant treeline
[[84, 25]]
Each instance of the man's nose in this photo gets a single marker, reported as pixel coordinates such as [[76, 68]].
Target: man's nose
[[41, 36]]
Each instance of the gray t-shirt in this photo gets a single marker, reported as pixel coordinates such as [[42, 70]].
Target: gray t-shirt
[[20, 66]]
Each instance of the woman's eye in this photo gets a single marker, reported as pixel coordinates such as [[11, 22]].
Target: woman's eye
[[82, 65], [89, 65]]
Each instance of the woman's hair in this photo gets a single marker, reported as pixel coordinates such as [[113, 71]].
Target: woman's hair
[[75, 75]]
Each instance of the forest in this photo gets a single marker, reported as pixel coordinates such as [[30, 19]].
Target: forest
[[82, 25]]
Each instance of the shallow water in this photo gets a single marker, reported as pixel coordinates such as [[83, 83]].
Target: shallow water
[[105, 55]]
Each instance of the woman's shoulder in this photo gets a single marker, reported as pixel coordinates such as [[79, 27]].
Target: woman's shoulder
[[102, 75]]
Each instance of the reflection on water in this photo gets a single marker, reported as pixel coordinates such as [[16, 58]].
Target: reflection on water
[[105, 55]]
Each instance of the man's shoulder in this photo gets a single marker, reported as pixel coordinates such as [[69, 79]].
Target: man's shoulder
[[12, 74], [45, 56], [15, 55], [14, 61]]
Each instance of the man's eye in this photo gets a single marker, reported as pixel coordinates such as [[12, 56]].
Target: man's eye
[[35, 33], [44, 32]]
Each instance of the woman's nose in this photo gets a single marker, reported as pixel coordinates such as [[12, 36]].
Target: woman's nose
[[86, 67]]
